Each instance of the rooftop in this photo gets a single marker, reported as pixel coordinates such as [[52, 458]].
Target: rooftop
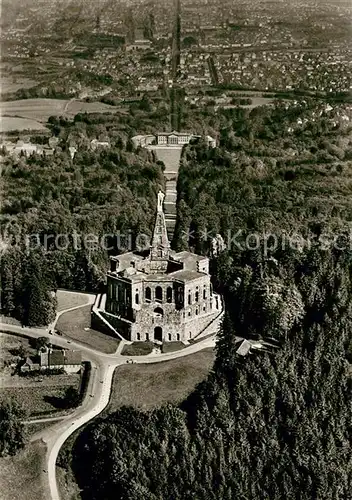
[[185, 255], [187, 275]]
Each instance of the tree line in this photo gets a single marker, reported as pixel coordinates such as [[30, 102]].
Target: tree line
[[62, 217], [273, 424]]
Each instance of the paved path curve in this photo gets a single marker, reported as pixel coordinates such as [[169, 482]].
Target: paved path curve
[[98, 391]]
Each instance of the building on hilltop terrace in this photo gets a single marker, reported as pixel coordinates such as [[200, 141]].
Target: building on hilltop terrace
[[169, 139], [164, 296]]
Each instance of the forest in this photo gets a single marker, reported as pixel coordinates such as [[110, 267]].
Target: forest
[[270, 425], [98, 192], [280, 168]]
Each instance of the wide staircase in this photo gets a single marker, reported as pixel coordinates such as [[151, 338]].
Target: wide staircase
[[170, 156]]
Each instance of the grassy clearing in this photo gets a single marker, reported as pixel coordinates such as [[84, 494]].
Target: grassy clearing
[[37, 401], [144, 387], [137, 349], [34, 109], [152, 385], [41, 380], [172, 347], [32, 429], [66, 300], [73, 323], [22, 476], [9, 123]]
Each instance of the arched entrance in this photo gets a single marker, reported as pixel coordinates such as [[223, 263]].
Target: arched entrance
[[158, 333]]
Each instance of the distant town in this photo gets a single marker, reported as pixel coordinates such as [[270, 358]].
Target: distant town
[[128, 49], [176, 250]]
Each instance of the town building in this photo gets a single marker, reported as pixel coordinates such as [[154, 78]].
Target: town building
[[95, 144], [56, 359], [162, 296], [24, 148], [169, 139], [53, 359]]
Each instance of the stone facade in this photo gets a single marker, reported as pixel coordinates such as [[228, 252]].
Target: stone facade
[[169, 139], [165, 296]]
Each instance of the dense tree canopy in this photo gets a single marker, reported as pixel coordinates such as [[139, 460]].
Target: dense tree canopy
[[274, 424], [12, 434], [62, 216]]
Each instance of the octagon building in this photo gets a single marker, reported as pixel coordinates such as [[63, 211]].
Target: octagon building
[[165, 296]]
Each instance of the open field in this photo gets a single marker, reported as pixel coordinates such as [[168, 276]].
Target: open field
[[22, 476], [39, 401], [34, 109], [72, 324], [14, 83], [150, 386], [34, 113], [66, 300], [74, 106], [169, 155], [40, 381], [10, 123], [256, 101]]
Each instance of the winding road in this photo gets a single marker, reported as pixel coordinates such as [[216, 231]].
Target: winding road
[[98, 391]]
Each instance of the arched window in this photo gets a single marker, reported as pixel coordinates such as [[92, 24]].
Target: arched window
[[158, 312], [190, 335], [178, 337], [136, 298], [204, 308], [148, 294], [169, 295], [189, 312], [197, 297], [204, 293], [160, 252], [189, 299], [159, 294], [170, 337], [197, 311], [147, 337], [138, 336]]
